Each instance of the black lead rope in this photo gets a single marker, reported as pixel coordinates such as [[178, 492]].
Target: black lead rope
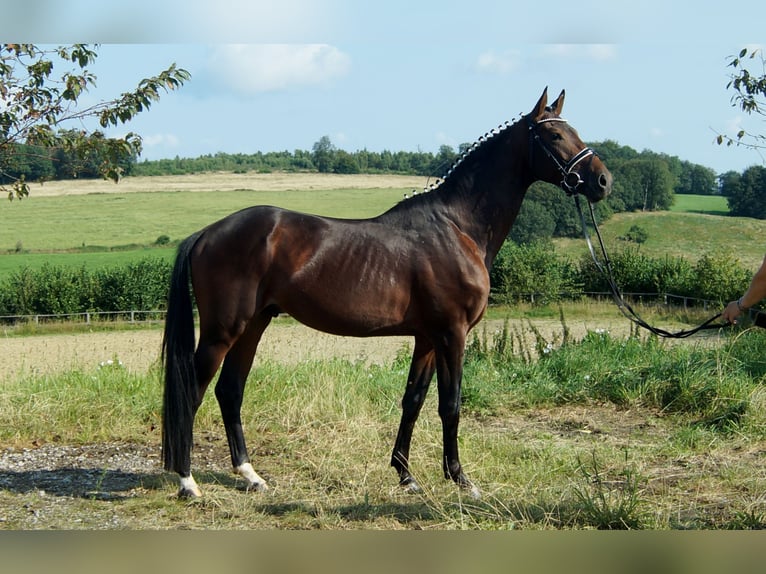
[[625, 308]]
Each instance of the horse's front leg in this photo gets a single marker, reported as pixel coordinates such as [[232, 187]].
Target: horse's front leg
[[449, 370], [418, 380]]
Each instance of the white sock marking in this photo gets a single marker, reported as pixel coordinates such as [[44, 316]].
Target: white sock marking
[[189, 486], [247, 472]]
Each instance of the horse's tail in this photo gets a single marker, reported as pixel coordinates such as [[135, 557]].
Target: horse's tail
[[178, 343]]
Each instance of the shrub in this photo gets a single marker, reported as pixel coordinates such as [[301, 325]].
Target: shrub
[[636, 234], [521, 270], [54, 290]]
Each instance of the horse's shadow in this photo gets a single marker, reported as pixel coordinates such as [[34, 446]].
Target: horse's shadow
[[116, 485], [89, 483]]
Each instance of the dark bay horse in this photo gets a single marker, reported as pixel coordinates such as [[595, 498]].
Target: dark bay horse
[[419, 269]]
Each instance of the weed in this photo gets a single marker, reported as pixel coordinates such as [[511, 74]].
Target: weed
[[609, 501]]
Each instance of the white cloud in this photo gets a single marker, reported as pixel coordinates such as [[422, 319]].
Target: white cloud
[[160, 140], [596, 52], [493, 62], [256, 68], [442, 138]]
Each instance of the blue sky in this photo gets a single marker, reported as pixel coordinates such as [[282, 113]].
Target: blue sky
[[398, 75]]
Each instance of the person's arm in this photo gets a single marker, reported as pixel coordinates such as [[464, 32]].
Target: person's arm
[[755, 292]]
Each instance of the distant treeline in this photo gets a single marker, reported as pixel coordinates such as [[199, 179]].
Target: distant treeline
[[519, 271], [643, 181]]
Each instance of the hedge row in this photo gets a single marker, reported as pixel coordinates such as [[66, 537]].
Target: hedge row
[[61, 290], [523, 269], [518, 271]]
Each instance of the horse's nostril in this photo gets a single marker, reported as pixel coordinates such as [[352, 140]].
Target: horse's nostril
[[603, 181]]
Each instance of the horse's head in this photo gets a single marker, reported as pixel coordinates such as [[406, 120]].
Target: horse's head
[[558, 155]]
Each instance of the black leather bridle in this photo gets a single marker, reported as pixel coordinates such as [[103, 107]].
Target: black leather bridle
[[570, 183], [606, 270], [570, 179]]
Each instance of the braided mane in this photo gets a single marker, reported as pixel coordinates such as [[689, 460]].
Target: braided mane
[[474, 147]]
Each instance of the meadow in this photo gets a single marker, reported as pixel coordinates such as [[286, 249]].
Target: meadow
[[96, 223], [572, 419], [687, 234]]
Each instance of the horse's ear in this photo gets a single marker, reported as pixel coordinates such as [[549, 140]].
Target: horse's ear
[[558, 104], [541, 104]]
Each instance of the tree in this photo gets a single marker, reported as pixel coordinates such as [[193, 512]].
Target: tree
[[648, 184], [36, 107], [747, 195], [344, 163], [696, 179], [749, 95], [323, 154], [534, 223], [730, 183]]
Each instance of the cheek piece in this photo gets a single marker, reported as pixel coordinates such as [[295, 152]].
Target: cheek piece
[[570, 179]]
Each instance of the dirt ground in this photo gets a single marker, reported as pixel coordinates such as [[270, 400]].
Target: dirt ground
[[230, 182], [286, 343]]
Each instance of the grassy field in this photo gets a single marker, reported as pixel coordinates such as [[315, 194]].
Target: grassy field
[[710, 204], [571, 426], [602, 432], [695, 225], [99, 223], [123, 219], [680, 234]]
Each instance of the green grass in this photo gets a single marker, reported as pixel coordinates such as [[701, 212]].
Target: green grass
[[710, 204], [113, 219], [80, 230], [91, 260], [678, 234], [99, 230], [600, 433]]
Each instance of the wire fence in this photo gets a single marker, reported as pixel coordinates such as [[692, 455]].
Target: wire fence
[[88, 317], [158, 315]]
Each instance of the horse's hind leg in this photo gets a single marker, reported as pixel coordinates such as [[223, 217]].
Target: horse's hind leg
[[418, 381], [229, 391], [207, 359]]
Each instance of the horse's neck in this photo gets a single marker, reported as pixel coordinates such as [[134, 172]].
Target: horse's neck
[[484, 202]]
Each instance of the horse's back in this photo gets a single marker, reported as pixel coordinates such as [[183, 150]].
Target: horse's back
[[361, 277]]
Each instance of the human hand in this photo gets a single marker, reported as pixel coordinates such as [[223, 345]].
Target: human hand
[[731, 312]]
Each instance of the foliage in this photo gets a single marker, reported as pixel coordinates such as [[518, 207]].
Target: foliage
[[647, 184], [35, 107], [322, 155], [715, 276], [697, 180], [749, 87], [720, 277], [746, 194], [521, 270], [139, 286], [636, 234]]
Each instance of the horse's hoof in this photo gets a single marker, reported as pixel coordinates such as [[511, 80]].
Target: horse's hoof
[[410, 486], [189, 494], [470, 487], [254, 482], [189, 488], [473, 491], [257, 487]]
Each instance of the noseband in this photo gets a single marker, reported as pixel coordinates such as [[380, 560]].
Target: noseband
[[570, 179]]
